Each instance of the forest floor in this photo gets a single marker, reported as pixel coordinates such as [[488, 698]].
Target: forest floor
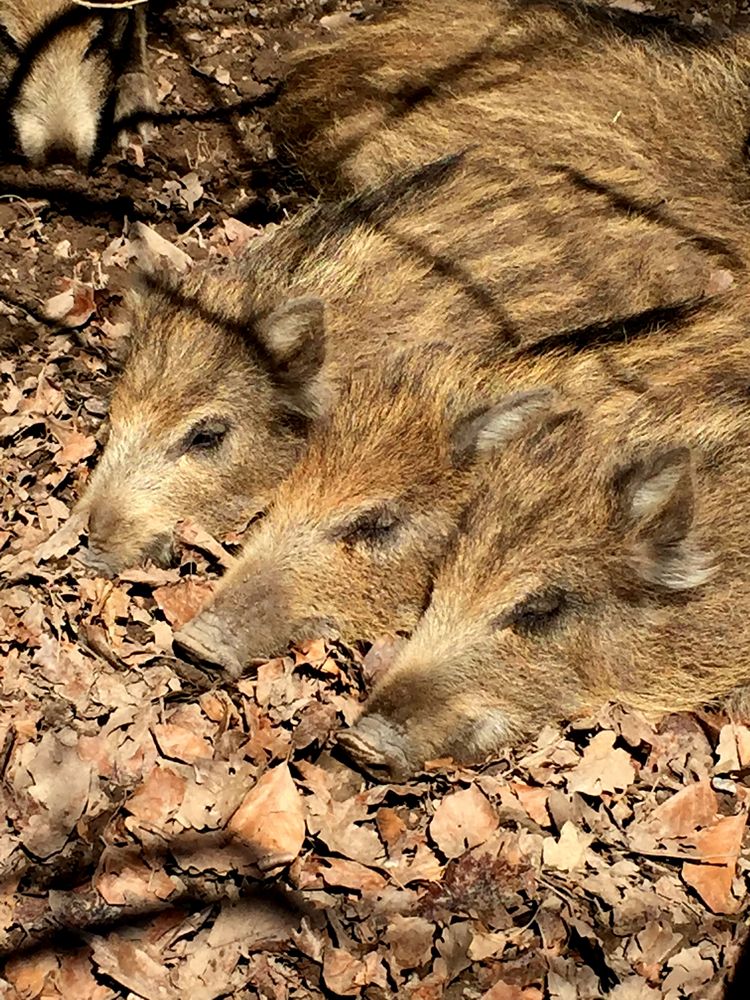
[[168, 836]]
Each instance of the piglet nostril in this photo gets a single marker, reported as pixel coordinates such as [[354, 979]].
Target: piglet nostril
[[377, 747]]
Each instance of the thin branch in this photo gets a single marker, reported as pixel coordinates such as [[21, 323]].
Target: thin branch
[[80, 911], [112, 4]]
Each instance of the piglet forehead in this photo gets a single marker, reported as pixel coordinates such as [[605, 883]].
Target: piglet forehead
[[549, 477]]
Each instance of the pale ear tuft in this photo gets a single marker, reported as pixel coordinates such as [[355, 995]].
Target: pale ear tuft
[[295, 327], [147, 289], [679, 568], [495, 426], [294, 336], [657, 501]]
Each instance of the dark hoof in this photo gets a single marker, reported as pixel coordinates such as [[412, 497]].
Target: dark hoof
[[136, 105]]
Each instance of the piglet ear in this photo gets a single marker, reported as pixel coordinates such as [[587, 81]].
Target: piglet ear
[[294, 337], [493, 427], [656, 500]]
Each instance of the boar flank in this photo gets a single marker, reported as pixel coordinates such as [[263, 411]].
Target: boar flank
[[603, 556], [417, 261], [67, 74], [357, 530], [653, 118]]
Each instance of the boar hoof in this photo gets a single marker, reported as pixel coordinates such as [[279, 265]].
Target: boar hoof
[[136, 103], [205, 640], [378, 747]]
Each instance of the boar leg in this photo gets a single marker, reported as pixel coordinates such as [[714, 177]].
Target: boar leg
[[135, 89]]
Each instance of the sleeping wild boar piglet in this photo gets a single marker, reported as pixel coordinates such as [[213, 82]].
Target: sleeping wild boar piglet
[[604, 557], [209, 424], [350, 544]]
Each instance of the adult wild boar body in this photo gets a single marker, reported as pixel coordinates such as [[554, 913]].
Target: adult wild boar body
[[358, 529], [486, 234], [563, 93], [603, 556], [67, 74]]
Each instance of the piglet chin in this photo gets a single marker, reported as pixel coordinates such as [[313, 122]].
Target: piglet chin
[[377, 747], [205, 639]]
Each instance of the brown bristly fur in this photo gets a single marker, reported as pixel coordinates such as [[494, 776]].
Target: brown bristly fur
[[357, 530], [505, 223], [657, 118], [603, 555]]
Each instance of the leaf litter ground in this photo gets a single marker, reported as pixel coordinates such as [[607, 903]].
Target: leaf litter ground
[[167, 835]]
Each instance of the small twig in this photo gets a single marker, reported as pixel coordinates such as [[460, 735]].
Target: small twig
[[94, 638], [6, 749], [27, 205], [566, 896], [79, 911], [679, 856], [196, 225], [113, 4]]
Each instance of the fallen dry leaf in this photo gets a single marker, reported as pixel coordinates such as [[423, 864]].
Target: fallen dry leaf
[[270, 821], [345, 975], [568, 852], [182, 601], [410, 940], [158, 797], [604, 767], [132, 965], [191, 533], [718, 847], [152, 252], [61, 785], [180, 743], [504, 991], [75, 447], [690, 809], [255, 923], [463, 820], [135, 883], [73, 306], [733, 749]]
